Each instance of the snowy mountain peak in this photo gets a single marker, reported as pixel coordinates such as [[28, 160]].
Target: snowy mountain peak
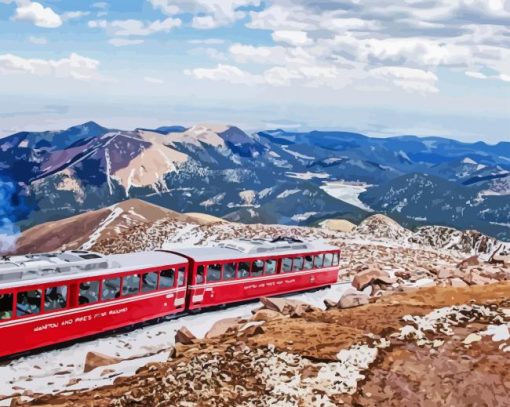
[[468, 160]]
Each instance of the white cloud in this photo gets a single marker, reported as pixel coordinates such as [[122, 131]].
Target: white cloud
[[296, 38], [75, 66], [409, 79], [207, 14], [125, 28], [207, 41], [74, 15], [37, 40], [37, 14], [124, 42], [476, 75], [150, 79], [227, 73]]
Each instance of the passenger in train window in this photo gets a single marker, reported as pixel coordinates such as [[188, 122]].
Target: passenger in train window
[[149, 282], [308, 263], [257, 268], [318, 261], [298, 264], [244, 270], [328, 260], [6, 303], [213, 272], [200, 275], [180, 277], [229, 271], [287, 265], [28, 303], [131, 284], [167, 278], [111, 289], [270, 267], [89, 292], [55, 298]]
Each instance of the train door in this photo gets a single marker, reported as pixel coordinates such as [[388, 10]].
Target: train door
[[198, 286], [180, 295]]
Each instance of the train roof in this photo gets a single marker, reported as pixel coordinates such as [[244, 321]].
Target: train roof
[[244, 248], [49, 267]]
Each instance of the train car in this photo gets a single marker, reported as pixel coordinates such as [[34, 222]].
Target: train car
[[46, 299], [242, 270]]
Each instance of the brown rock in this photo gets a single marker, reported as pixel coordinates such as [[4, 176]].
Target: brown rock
[[404, 275], [458, 282], [351, 300], [222, 326], [285, 306], [470, 261], [96, 359], [266, 315], [371, 275], [184, 336]]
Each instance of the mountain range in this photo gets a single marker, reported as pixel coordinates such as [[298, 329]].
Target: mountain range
[[271, 176]]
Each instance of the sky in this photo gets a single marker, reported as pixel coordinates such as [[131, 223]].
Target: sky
[[380, 67]]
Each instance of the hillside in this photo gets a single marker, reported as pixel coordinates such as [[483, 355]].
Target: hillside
[[271, 176]]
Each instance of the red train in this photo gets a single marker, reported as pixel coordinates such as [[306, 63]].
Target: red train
[[46, 299]]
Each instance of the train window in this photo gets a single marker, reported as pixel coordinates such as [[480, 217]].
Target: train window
[[308, 263], [244, 270], [6, 302], [287, 265], [229, 271], [29, 302], [318, 261], [200, 275], [131, 284], [111, 289], [55, 298], [257, 268], [213, 272], [149, 282], [270, 267], [328, 259], [180, 276], [167, 278], [335, 259], [298, 264], [89, 292]]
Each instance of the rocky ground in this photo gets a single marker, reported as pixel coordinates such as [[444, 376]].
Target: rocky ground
[[431, 346], [425, 323]]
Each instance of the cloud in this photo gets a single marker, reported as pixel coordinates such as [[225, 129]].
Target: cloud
[[150, 79], [294, 37], [207, 41], [37, 14], [207, 14], [409, 79], [476, 75], [37, 40], [75, 66], [74, 15], [124, 42], [125, 28], [227, 73]]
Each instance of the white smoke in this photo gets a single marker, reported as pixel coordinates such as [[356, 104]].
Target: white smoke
[[9, 231]]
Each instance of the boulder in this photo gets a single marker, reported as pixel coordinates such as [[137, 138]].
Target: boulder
[[470, 261], [285, 306], [94, 360], [222, 326], [266, 315], [351, 300], [330, 303], [458, 282], [184, 336], [369, 276]]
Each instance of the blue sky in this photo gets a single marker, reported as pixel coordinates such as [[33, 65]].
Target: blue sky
[[426, 67]]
